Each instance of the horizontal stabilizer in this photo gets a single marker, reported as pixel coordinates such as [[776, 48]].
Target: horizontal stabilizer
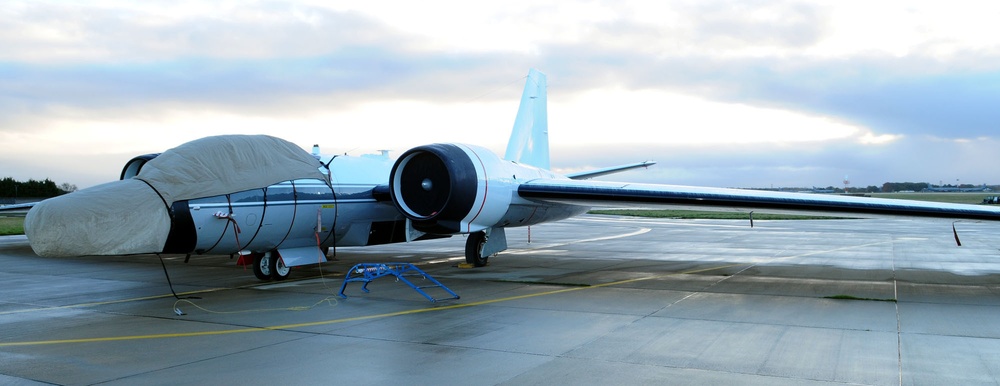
[[611, 170], [16, 207]]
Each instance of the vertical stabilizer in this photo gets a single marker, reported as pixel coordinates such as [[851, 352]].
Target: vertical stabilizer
[[529, 141]]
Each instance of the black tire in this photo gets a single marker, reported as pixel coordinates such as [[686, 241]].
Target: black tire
[[473, 249], [262, 266], [278, 269]]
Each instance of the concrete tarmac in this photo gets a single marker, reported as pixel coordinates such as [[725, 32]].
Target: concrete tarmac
[[591, 300]]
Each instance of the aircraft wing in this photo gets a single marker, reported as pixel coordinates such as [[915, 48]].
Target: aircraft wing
[[604, 194], [611, 170], [19, 209]]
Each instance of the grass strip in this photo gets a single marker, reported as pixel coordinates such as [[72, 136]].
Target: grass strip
[[690, 214], [11, 226]]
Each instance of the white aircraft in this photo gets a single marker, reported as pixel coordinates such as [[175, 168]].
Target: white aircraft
[[278, 206]]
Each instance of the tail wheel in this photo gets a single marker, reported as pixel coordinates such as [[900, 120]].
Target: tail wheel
[[279, 271], [474, 249]]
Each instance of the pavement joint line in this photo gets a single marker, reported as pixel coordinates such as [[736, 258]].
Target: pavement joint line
[[294, 326], [899, 321], [93, 304], [352, 319], [180, 294], [84, 305]]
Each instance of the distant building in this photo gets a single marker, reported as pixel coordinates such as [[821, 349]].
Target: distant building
[[956, 189]]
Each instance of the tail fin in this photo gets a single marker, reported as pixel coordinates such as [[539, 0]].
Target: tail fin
[[529, 141]]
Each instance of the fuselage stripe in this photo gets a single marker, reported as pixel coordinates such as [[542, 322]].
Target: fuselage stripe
[[486, 191]]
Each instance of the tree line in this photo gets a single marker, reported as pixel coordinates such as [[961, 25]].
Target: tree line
[[890, 187], [32, 188]]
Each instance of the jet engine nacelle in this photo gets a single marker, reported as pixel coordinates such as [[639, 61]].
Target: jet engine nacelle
[[134, 165], [455, 188]]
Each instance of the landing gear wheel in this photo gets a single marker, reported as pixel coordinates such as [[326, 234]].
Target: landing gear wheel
[[474, 249], [278, 269], [262, 266]]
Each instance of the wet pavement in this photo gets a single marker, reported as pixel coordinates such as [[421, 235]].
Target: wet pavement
[[594, 300]]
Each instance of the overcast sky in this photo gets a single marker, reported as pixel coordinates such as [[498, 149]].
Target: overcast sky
[[719, 93]]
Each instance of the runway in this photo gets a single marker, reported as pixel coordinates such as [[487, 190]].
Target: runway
[[591, 300]]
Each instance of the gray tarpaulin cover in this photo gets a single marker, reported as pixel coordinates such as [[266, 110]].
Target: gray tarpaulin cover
[[128, 217]]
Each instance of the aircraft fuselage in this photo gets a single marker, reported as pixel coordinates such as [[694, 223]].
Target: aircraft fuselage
[[293, 213]]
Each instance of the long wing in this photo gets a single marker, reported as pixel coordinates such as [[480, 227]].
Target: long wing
[[594, 193]]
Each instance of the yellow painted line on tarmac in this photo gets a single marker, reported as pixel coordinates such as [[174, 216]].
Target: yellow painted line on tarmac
[[344, 320], [401, 313], [356, 318]]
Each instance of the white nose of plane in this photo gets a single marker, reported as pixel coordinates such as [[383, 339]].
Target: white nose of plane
[[116, 218]]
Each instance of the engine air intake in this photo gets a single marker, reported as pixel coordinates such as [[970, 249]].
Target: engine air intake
[[434, 186]]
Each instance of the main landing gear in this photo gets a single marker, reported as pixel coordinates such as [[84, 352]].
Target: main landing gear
[[268, 266], [474, 249]]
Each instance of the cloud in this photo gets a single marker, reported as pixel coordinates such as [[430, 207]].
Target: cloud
[[752, 25], [152, 31], [918, 159], [888, 95], [873, 81], [288, 58]]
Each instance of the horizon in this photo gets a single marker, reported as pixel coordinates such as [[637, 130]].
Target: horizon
[[63, 185]]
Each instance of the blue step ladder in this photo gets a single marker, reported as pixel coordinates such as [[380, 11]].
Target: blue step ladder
[[367, 272]]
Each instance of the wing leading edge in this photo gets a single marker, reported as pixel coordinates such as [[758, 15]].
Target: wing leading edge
[[603, 194]]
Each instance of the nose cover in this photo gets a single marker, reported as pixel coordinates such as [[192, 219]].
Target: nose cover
[[117, 218], [130, 216]]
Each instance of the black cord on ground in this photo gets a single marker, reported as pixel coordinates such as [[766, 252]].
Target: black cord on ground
[[171, 284]]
